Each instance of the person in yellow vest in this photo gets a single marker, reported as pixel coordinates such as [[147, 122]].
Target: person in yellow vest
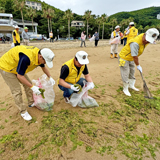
[[15, 36], [128, 57], [14, 66], [132, 32], [114, 47], [51, 36], [125, 37], [71, 72]]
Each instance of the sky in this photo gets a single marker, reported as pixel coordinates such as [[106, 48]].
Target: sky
[[99, 7]]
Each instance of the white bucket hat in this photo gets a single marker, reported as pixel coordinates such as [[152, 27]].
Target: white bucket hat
[[131, 23], [82, 57], [48, 56], [17, 26], [151, 35], [117, 27]]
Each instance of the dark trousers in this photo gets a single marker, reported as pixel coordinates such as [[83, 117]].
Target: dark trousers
[[122, 41], [96, 42], [125, 41], [51, 39]]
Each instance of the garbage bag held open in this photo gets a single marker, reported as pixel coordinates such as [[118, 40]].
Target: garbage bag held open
[[44, 101]]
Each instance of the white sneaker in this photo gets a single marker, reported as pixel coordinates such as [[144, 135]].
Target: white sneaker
[[26, 116]]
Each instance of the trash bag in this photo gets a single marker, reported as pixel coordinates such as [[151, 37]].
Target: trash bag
[[12, 45], [92, 39], [115, 40], [82, 99], [46, 103]]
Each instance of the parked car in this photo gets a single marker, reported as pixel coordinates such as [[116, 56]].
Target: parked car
[[71, 38], [37, 37]]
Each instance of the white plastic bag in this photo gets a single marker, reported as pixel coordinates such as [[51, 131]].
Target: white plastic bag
[[12, 45], [115, 40], [93, 38], [82, 99], [47, 102]]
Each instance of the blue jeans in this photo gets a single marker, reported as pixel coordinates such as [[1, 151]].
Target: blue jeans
[[125, 41], [67, 91]]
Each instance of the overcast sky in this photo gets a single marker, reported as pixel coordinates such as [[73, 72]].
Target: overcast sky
[[99, 7]]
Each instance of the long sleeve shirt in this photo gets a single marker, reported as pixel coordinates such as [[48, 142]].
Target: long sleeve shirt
[[25, 35]]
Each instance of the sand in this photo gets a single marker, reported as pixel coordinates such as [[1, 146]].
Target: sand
[[103, 70]]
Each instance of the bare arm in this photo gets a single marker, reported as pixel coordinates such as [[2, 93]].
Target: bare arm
[[24, 80], [88, 78], [64, 84], [136, 60], [46, 71]]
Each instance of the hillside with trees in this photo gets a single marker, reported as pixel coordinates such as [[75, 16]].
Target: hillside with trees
[[51, 18]]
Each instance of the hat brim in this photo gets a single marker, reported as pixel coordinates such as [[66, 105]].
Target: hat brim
[[83, 61], [49, 64], [150, 39]]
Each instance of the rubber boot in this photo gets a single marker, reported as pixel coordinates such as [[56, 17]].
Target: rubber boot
[[115, 55], [131, 84], [125, 89], [111, 56]]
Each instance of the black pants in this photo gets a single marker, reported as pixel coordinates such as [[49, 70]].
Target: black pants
[[16, 44], [96, 42], [122, 41], [51, 39]]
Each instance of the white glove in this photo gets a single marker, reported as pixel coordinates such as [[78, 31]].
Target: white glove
[[90, 85], [35, 90], [139, 68], [74, 88], [52, 80]]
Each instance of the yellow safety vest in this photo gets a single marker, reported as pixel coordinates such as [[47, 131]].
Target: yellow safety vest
[[133, 33], [124, 34], [17, 37], [125, 53], [114, 34], [73, 76], [9, 61]]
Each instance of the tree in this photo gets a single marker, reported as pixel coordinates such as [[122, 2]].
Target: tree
[[114, 22], [52, 15], [98, 21], [68, 15], [2, 10], [87, 16], [32, 14], [140, 28], [123, 24], [103, 18], [20, 6], [146, 28], [47, 14]]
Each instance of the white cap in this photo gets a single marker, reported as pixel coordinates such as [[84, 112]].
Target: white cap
[[131, 23], [48, 55], [117, 27], [17, 26], [82, 57], [151, 35]]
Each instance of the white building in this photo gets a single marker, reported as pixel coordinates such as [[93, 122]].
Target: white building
[[77, 24], [34, 5]]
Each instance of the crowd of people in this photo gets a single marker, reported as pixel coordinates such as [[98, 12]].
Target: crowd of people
[[21, 59]]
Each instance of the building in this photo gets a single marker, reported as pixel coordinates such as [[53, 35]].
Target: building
[[34, 5], [77, 24]]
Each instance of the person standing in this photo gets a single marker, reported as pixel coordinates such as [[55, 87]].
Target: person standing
[[114, 47], [51, 36], [125, 37], [128, 57], [83, 37], [71, 72], [132, 32], [96, 35], [14, 66], [16, 37], [25, 36]]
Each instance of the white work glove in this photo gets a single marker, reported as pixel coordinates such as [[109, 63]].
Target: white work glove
[[74, 88], [90, 85], [139, 68], [52, 80], [35, 90]]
